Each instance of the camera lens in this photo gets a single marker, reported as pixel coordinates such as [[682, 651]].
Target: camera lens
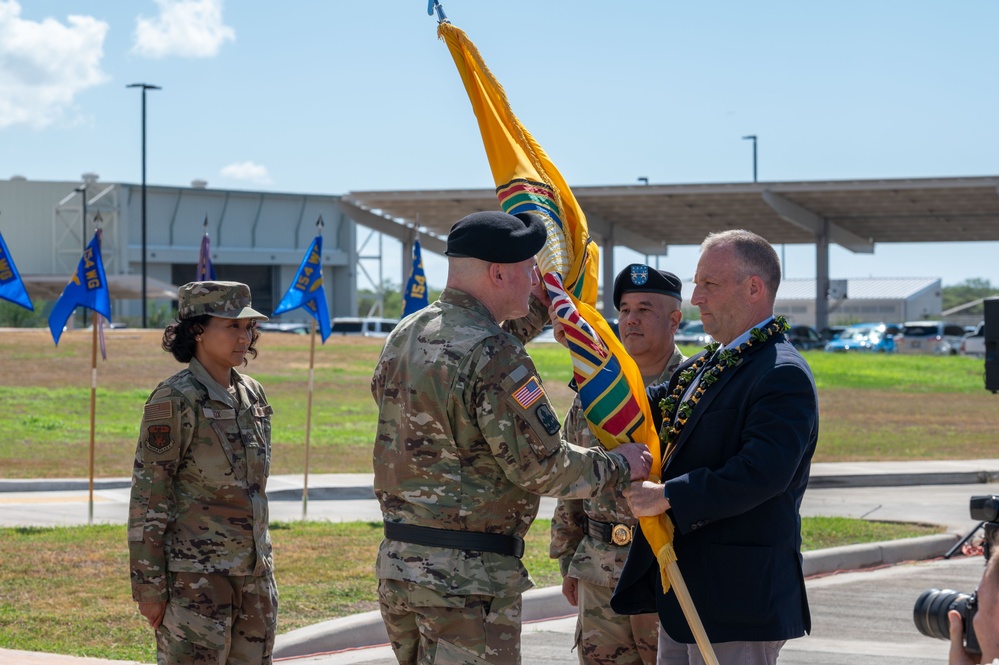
[[930, 611]]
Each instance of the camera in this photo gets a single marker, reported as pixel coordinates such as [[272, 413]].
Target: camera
[[932, 606], [930, 615]]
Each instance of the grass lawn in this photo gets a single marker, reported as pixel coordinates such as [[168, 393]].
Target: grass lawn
[[66, 590], [872, 407]]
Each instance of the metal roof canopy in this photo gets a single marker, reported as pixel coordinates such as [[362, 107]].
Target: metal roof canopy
[[120, 287], [855, 214]]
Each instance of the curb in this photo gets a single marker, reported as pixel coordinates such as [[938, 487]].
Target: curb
[[872, 555], [367, 629], [62, 484]]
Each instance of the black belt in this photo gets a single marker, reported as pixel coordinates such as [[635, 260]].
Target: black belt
[[615, 534], [459, 540]]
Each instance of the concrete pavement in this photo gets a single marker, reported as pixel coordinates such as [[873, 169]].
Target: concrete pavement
[[930, 492]]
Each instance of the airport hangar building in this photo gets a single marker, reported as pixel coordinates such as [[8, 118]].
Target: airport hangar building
[[260, 237]]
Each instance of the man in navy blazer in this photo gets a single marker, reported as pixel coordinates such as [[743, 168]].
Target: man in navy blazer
[[738, 435]]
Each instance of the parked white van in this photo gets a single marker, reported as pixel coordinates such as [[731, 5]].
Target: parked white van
[[368, 326], [973, 343]]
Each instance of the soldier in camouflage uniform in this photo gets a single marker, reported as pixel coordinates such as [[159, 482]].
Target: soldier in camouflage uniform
[[591, 537], [466, 442], [198, 539]]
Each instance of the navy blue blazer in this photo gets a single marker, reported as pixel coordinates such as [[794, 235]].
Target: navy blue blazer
[[735, 486]]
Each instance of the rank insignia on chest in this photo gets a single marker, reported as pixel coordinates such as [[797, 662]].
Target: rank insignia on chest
[[547, 419], [529, 393], [159, 440]]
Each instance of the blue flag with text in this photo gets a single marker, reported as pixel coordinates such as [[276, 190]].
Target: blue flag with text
[[11, 286], [87, 288], [306, 289], [415, 297]]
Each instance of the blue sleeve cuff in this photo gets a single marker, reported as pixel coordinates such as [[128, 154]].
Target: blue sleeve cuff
[[665, 491]]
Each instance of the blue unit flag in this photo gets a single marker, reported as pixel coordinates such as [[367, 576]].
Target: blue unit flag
[[415, 297], [11, 286], [87, 288], [306, 289]]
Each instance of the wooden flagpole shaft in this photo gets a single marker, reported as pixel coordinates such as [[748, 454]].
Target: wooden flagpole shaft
[[308, 416], [690, 612], [93, 410]]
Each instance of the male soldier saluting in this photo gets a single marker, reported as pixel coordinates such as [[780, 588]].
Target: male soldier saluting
[[466, 442], [591, 537]]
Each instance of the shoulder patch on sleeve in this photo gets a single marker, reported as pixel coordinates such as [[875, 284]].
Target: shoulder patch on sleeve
[[528, 392], [158, 410], [159, 440], [515, 378], [547, 418]]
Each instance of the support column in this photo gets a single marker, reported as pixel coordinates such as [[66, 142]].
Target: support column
[[822, 277], [407, 259], [607, 265]]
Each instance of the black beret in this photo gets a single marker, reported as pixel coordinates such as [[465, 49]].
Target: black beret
[[496, 237], [640, 278]]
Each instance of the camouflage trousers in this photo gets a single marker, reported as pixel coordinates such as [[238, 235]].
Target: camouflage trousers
[[216, 619], [427, 627], [604, 637]]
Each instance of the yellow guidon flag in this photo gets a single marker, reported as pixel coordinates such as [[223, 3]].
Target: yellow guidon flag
[[609, 383]]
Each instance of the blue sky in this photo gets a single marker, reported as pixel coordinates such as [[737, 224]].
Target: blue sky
[[328, 97]]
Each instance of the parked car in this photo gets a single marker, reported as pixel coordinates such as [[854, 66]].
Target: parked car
[[804, 338], [693, 335], [830, 333], [367, 326], [973, 344], [863, 337], [934, 337]]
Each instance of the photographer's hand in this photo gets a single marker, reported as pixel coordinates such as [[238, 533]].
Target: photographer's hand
[[958, 656]]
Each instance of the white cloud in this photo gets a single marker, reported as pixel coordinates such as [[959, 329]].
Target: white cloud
[[247, 171], [188, 28], [45, 65]]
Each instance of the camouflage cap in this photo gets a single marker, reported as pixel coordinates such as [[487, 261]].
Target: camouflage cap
[[226, 300]]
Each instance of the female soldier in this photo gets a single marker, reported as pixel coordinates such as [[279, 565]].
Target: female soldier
[[199, 546]]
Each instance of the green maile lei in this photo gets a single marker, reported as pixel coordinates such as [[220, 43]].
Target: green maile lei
[[671, 404]]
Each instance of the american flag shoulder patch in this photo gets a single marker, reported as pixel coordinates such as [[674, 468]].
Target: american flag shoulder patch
[[158, 410], [529, 393]]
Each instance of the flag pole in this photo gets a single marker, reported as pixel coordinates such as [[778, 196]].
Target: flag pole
[[93, 410], [306, 291], [308, 415], [690, 612]]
